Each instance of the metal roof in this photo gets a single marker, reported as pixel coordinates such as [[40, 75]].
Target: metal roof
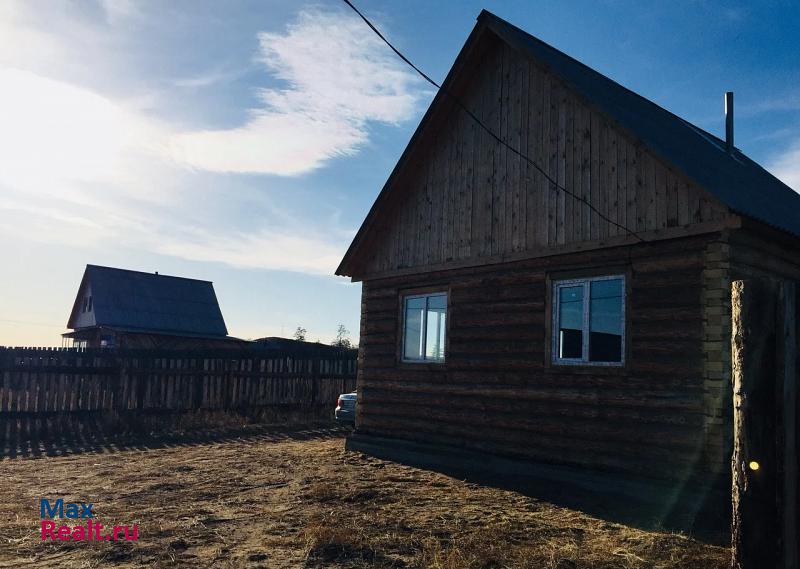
[[150, 302], [734, 179]]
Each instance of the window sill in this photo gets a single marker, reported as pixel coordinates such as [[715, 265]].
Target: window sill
[[586, 369], [410, 365]]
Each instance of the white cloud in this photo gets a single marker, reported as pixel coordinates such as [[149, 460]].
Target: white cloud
[[209, 78], [119, 11], [787, 166], [339, 78], [264, 249], [85, 166]]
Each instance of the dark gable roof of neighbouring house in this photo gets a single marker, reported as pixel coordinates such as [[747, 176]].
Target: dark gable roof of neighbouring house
[[734, 179], [146, 302]]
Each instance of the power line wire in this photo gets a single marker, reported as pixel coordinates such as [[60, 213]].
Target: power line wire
[[489, 130]]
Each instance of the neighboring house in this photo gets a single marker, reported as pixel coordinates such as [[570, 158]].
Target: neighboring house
[[501, 314], [132, 310]]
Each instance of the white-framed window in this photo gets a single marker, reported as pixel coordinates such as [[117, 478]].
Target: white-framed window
[[589, 321], [424, 327]]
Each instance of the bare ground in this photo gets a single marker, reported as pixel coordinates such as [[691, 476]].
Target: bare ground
[[281, 499]]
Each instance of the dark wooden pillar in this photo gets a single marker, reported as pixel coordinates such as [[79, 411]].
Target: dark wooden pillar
[[788, 425], [755, 528]]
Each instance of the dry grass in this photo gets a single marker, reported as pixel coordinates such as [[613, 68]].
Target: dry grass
[[279, 501]]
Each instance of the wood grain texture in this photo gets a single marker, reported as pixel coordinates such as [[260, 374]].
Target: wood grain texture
[[498, 381], [469, 197], [42, 386]]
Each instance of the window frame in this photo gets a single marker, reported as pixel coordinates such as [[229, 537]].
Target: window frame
[[583, 361], [404, 298]]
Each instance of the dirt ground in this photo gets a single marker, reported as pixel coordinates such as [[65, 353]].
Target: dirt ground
[[296, 498]]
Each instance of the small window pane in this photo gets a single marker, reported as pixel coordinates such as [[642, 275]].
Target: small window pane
[[414, 316], [438, 301], [424, 328], [570, 319], [605, 321], [435, 338]]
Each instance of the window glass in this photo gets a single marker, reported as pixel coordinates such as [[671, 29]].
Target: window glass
[[435, 333], [570, 318], [414, 317], [589, 321], [605, 321], [424, 328]]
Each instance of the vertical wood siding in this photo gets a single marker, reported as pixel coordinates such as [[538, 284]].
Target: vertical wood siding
[[467, 197]]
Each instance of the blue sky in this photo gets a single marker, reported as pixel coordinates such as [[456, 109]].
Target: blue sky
[[243, 142]]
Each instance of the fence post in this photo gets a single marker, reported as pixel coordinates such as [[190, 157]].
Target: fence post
[[754, 527], [787, 361]]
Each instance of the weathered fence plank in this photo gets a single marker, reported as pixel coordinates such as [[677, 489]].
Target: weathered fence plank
[[44, 387]]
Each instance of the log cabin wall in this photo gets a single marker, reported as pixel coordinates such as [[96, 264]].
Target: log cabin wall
[[716, 348], [465, 197], [759, 251], [498, 392]]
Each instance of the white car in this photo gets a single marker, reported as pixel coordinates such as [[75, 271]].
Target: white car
[[346, 408]]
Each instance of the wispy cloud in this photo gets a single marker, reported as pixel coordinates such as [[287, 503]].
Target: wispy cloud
[[118, 11], [210, 78], [789, 101], [786, 166], [302, 252], [80, 161], [337, 78]]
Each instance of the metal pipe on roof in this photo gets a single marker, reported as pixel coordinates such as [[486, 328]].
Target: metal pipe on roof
[[729, 122]]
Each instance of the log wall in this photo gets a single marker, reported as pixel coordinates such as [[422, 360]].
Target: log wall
[[497, 391]]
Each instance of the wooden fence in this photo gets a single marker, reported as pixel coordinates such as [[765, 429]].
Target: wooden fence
[[41, 387]]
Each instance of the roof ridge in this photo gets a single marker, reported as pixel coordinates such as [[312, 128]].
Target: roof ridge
[[117, 269], [486, 14]]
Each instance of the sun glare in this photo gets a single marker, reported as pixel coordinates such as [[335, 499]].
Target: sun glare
[[53, 131]]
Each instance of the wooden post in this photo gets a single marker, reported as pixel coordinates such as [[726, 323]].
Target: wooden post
[[788, 352], [755, 527]]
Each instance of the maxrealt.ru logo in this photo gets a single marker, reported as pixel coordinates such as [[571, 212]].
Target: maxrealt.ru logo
[[90, 531]]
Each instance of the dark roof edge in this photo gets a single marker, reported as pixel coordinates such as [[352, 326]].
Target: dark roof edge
[[102, 267], [153, 331], [492, 18], [76, 303], [343, 269], [505, 30], [734, 197]]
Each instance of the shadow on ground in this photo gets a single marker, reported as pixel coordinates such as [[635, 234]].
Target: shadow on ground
[[652, 505], [704, 516], [95, 439]]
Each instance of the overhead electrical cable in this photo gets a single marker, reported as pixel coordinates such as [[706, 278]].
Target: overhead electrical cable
[[489, 131]]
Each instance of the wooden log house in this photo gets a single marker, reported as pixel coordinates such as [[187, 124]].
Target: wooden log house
[[588, 328]]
